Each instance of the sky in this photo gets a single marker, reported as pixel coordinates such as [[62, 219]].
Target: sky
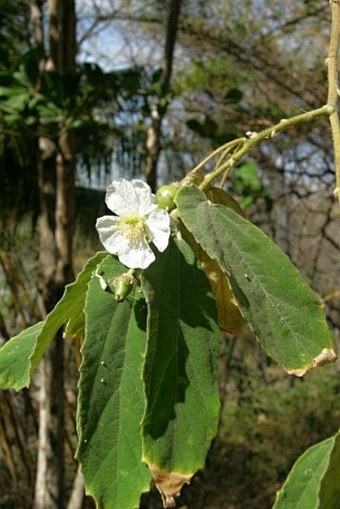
[[113, 44]]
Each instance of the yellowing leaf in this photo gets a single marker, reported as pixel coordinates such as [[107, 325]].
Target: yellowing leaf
[[169, 484], [228, 314], [326, 356], [221, 197]]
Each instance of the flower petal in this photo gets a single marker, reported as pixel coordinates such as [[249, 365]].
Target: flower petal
[[147, 202], [126, 197], [121, 197], [137, 256], [158, 224], [111, 239]]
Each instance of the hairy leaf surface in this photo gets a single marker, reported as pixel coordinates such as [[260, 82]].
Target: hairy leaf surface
[[111, 397], [180, 375], [283, 311]]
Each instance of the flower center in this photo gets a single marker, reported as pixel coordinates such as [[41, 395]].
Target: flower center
[[132, 227]]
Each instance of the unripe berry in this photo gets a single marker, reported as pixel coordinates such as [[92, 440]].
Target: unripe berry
[[165, 196]]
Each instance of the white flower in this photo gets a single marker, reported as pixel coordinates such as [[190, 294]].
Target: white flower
[[137, 223]]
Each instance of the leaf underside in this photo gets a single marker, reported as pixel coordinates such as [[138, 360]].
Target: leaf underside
[[281, 308]]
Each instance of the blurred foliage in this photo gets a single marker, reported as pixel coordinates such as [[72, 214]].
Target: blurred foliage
[[213, 76], [247, 185], [14, 28], [268, 420], [103, 107]]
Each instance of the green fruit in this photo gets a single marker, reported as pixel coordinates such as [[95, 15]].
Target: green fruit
[[165, 196]]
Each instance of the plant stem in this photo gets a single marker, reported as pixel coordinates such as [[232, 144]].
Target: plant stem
[[255, 138], [227, 147], [333, 90]]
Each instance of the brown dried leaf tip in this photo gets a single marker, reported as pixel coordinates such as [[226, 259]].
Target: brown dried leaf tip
[[169, 484], [326, 356]]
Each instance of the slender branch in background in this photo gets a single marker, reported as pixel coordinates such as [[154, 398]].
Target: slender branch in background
[[333, 87], [331, 296], [255, 138], [28, 134], [3, 328], [158, 110], [76, 500]]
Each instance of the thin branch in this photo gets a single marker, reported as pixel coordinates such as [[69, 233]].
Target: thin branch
[[293, 22], [331, 296], [255, 138], [333, 87], [105, 19], [226, 148], [249, 56], [158, 110]]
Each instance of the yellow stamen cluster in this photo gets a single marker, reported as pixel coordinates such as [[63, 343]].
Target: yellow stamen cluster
[[132, 228]]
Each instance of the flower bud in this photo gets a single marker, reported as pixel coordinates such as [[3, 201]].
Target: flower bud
[[122, 286]]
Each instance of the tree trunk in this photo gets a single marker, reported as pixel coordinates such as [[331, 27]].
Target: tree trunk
[[159, 108], [56, 222], [76, 500]]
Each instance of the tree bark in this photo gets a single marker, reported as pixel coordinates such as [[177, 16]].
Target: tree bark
[[56, 222], [159, 108], [76, 500]]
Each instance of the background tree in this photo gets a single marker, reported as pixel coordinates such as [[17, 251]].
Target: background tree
[[159, 106], [56, 178]]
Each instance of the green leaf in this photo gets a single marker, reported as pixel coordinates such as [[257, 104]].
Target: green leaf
[[329, 493], [111, 397], [283, 311], [31, 63], [76, 324], [15, 102], [313, 482], [233, 96], [195, 125], [13, 91], [247, 184], [70, 307], [14, 358], [180, 376], [20, 355], [247, 173]]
